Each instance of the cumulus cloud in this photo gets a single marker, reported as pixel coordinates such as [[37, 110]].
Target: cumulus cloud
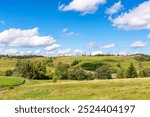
[[78, 52], [68, 33], [91, 45], [83, 6], [115, 8], [24, 38], [97, 53], [37, 52], [108, 46], [15, 52], [136, 19], [52, 47], [138, 44]]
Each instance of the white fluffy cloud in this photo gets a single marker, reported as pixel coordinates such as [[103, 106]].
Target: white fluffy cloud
[[78, 52], [136, 19], [115, 8], [24, 38], [138, 44], [83, 6], [66, 32], [108, 46], [15, 52], [97, 53], [52, 47], [91, 45]]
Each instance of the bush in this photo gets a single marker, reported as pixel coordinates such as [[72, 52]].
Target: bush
[[75, 62], [62, 71], [103, 72], [80, 74], [131, 72], [31, 70], [146, 72], [9, 73]]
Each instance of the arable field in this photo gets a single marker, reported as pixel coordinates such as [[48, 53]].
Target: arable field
[[116, 89]]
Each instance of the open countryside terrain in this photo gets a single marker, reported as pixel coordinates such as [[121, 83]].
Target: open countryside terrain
[[135, 88]]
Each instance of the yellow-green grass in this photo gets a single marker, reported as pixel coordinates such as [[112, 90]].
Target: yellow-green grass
[[6, 64], [117, 89], [10, 81], [112, 61]]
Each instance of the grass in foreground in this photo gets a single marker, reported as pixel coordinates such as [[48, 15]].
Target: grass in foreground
[[83, 90], [10, 81]]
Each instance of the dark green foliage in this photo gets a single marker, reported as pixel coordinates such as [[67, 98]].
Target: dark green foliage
[[62, 71], [31, 70], [75, 62], [103, 72], [91, 66], [131, 72], [9, 73], [80, 74]]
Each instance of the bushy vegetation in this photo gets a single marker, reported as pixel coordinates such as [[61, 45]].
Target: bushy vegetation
[[31, 70], [142, 57], [103, 72], [75, 62]]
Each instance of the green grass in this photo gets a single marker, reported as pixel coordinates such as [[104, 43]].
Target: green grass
[[83, 90], [10, 81]]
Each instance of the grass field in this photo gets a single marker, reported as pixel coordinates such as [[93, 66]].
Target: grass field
[[10, 81], [138, 88], [84, 90]]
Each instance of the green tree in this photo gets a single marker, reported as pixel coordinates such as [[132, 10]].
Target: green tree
[[62, 71], [103, 72], [78, 74], [131, 72]]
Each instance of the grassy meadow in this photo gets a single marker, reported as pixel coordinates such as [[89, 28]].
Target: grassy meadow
[[122, 89], [135, 88]]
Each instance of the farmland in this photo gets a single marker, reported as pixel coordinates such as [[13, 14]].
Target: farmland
[[118, 88]]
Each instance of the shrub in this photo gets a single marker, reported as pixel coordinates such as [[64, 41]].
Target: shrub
[[31, 70], [75, 62], [62, 71], [103, 72], [9, 73], [80, 74], [131, 72]]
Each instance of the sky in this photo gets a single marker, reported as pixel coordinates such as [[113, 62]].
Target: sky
[[74, 27]]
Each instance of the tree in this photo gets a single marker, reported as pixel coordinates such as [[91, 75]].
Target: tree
[[31, 69], [103, 72], [131, 72], [78, 74], [62, 71]]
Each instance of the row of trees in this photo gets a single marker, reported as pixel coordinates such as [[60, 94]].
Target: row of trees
[[131, 72]]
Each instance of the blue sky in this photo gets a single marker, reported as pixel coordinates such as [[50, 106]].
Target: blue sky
[[74, 27]]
